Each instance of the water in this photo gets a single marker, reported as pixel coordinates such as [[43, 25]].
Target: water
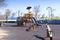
[[14, 18]]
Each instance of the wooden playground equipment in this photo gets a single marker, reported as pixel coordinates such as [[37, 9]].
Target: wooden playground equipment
[[26, 20]]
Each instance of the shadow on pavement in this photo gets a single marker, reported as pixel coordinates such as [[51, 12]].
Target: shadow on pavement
[[39, 37]]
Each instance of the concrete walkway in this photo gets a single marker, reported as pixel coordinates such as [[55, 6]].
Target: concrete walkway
[[13, 32], [20, 33]]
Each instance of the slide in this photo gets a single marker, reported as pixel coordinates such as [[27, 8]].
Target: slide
[[35, 22]]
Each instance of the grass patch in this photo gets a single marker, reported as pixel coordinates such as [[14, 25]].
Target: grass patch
[[48, 18]]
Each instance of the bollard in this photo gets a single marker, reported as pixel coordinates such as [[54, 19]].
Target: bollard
[[51, 38], [49, 32], [0, 24]]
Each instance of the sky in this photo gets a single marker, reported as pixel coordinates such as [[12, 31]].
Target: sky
[[15, 5]]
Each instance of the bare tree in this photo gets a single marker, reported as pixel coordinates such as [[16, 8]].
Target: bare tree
[[12, 15], [7, 14], [18, 12], [2, 3], [1, 16], [43, 16], [36, 10], [50, 11]]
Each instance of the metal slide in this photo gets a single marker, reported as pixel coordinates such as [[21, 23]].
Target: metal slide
[[35, 22]]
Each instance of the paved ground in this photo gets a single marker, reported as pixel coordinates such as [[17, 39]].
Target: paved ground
[[13, 32], [56, 31]]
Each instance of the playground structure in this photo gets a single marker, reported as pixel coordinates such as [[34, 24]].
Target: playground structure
[[28, 17], [31, 21]]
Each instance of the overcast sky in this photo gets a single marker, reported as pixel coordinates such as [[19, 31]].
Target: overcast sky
[[15, 5]]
